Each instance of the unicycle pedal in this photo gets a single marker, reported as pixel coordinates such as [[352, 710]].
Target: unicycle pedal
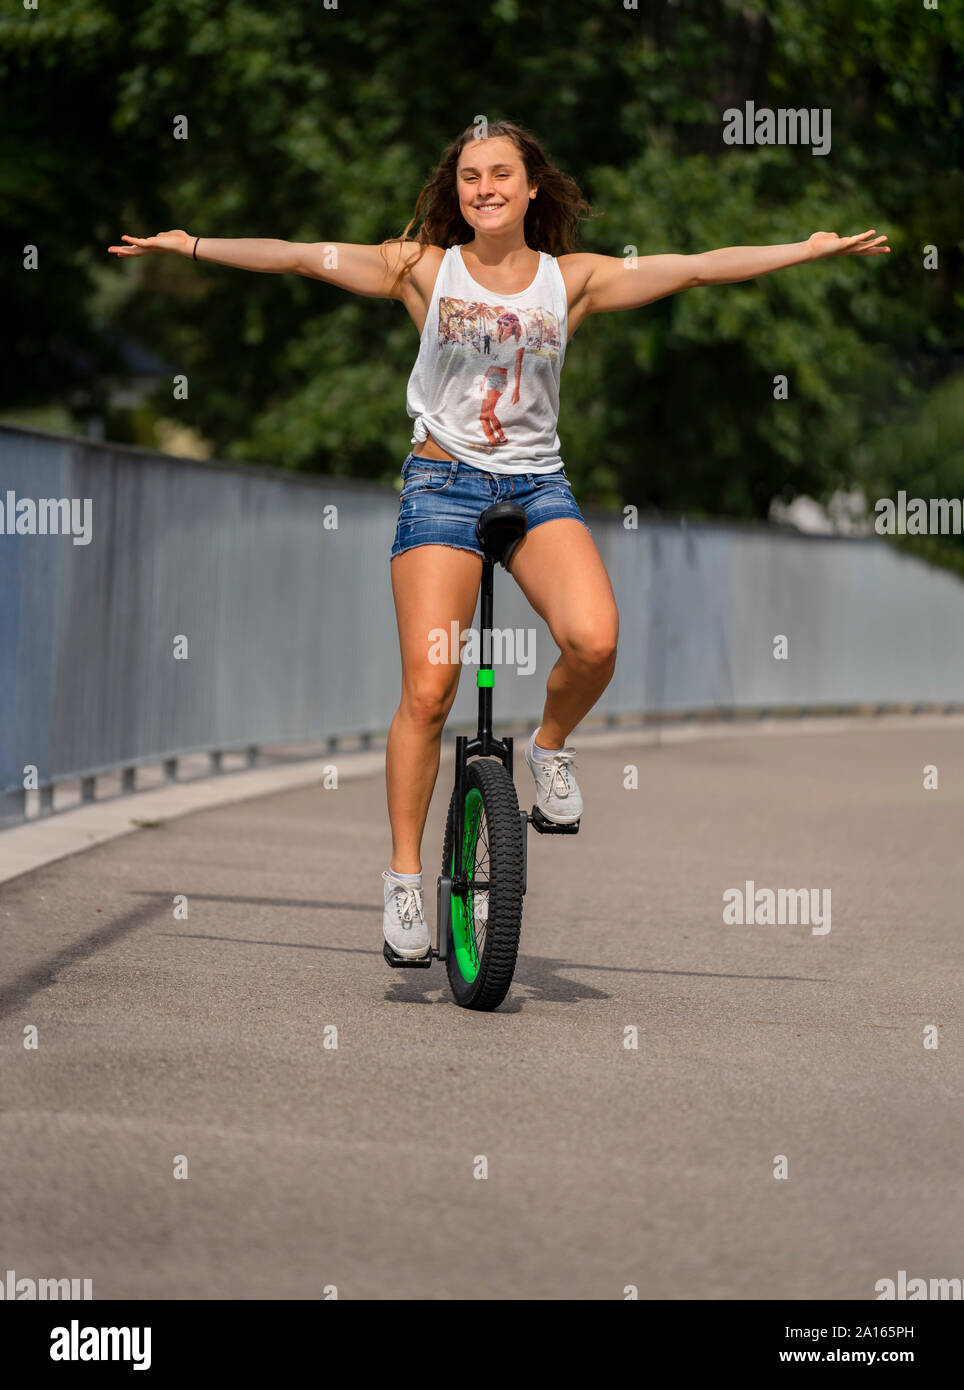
[[550, 827], [400, 963]]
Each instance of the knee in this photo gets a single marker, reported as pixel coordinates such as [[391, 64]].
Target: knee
[[427, 703], [594, 647]]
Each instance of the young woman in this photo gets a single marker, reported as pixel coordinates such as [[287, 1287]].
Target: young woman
[[495, 288]]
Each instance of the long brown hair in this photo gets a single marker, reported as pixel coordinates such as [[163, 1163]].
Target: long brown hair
[[552, 217]]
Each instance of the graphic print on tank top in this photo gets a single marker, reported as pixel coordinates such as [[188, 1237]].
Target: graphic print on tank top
[[509, 344]]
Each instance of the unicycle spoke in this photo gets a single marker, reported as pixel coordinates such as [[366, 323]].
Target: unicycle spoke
[[480, 894]]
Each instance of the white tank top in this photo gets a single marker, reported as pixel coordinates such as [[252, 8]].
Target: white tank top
[[479, 351]]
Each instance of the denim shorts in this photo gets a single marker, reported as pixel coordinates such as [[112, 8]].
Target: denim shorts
[[441, 500]]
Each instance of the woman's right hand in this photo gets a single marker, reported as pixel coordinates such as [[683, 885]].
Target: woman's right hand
[[179, 243]]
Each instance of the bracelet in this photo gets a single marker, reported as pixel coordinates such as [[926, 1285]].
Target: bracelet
[[196, 240]]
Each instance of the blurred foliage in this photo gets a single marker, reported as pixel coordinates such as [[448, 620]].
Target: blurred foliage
[[314, 124], [920, 452]]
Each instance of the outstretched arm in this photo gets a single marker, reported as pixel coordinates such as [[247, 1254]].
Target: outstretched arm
[[365, 270], [609, 283], [244, 253]]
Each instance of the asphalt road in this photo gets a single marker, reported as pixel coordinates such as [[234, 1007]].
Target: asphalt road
[[607, 1166]]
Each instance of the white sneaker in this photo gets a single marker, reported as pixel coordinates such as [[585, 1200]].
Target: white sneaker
[[403, 922], [557, 794]]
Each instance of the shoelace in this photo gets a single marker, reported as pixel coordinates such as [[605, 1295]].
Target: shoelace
[[410, 908], [559, 768]]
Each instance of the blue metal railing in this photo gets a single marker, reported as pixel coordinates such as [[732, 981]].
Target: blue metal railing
[[220, 607]]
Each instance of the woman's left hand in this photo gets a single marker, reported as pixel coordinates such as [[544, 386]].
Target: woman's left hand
[[823, 244]]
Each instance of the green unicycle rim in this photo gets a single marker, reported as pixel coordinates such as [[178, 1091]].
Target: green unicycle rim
[[463, 916]]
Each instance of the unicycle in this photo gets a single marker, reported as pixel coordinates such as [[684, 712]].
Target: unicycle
[[483, 879]]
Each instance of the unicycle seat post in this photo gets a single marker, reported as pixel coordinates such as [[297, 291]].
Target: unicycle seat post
[[486, 675], [498, 529]]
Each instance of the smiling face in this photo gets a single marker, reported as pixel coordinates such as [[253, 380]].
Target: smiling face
[[493, 190]]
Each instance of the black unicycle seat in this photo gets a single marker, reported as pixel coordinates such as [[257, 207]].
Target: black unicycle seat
[[499, 527]]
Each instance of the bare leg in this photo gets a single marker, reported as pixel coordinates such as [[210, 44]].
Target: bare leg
[[561, 573], [432, 585], [491, 424]]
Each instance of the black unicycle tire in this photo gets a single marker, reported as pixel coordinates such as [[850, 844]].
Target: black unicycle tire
[[503, 825]]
